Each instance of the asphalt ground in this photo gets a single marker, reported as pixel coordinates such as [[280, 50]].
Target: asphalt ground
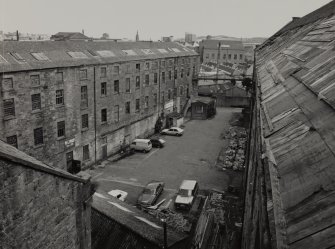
[[191, 157]]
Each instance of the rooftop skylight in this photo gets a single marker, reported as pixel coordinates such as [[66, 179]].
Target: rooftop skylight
[[40, 56], [77, 55], [162, 50], [17, 56], [147, 51], [129, 52], [105, 53]]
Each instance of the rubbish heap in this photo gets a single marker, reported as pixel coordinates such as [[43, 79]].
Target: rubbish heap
[[234, 157]]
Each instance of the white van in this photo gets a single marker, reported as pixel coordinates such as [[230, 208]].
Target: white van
[[186, 194], [141, 145]]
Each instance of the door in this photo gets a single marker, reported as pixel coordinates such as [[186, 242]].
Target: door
[[69, 161], [104, 151]]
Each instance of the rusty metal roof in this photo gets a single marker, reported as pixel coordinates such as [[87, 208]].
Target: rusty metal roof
[[296, 75]]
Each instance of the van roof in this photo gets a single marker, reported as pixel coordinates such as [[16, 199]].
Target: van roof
[[141, 140], [188, 184]]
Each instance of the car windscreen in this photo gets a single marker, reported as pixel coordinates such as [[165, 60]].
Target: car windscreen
[[148, 191], [184, 192]]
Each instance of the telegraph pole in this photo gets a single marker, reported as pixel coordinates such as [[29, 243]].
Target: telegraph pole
[[217, 62]]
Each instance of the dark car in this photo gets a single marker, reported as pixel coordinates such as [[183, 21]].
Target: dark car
[[150, 194], [157, 142]]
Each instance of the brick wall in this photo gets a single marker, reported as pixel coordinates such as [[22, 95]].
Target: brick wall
[[41, 210]]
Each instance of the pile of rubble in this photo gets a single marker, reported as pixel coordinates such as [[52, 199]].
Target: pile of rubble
[[234, 157], [173, 219]]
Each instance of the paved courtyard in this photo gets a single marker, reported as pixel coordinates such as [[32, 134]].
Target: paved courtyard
[[191, 157]]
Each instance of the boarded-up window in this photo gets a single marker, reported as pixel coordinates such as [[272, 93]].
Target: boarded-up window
[[103, 72], [83, 74], [38, 136], [116, 113], [36, 101], [9, 107], [59, 77], [86, 152], [7, 84], [12, 140], [35, 80]]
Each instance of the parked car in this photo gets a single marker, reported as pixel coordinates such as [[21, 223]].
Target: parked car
[[121, 195], [150, 194], [157, 142], [186, 195], [175, 131], [141, 145]]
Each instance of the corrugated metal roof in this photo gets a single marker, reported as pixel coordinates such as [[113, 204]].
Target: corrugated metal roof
[[296, 76], [83, 53]]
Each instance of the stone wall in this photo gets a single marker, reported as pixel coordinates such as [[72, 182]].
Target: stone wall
[[42, 210], [54, 149]]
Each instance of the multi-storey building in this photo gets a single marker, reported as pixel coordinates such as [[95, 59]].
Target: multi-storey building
[[65, 100], [231, 51]]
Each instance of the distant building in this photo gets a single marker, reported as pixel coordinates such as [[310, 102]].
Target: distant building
[[190, 38], [41, 206], [167, 38], [231, 51], [64, 102], [65, 36]]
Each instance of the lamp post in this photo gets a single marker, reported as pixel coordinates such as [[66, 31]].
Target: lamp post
[[165, 233]]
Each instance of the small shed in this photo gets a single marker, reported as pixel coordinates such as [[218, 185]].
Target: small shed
[[203, 107], [174, 119]]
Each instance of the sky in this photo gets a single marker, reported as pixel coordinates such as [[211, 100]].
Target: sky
[[153, 18]]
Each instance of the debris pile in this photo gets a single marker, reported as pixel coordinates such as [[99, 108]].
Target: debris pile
[[173, 219], [233, 157]]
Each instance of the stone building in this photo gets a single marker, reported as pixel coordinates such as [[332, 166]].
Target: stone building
[[42, 206], [80, 100], [231, 51], [290, 171]]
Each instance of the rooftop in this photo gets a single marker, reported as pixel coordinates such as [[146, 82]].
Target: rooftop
[[225, 44], [295, 72], [30, 55]]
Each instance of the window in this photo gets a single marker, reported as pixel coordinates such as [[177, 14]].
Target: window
[[12, 140], [175, 92], [207, 56], [36, 101], [241, 57], [182, 61], [199, 109], [235, 56], [128, 85], [103, 72], [103, 115], [163, 98], [194, 70], [84, 121], [84, 97], [229, 56], [170, 75], [138, 67], [169, 94], [213, 56], [163, 63], [128, 68], [170, 62], [7, 83], [181, 90], [83, 74], [224, 56], [103, 88], [147, 65], [38, 136], [147, 79], [155, 65], [59, 77], [155, 99], [9, 107], [35, 80], [60, 97], [116, 113], [61, 129], [137, 106], [175, 74], [116, 69], [146, 102], [188, 71], [116, 86], [127, 107], [155, 78], [86, 152], [182, 73], [163, 77], [138, 82]]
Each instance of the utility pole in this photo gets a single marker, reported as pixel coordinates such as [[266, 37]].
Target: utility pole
[[217, 62]]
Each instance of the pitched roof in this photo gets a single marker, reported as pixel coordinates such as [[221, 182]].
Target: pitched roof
[[295, 72], [137, 222], [10, 153], [69, 36], [225, 44], [30, 55]]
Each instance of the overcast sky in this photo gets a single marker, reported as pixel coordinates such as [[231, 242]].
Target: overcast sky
[[153, 18]]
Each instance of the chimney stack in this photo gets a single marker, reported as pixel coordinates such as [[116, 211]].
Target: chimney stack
[[17, 35]]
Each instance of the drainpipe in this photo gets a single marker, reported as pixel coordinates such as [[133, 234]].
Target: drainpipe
[[95, 118], [165, 233]]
